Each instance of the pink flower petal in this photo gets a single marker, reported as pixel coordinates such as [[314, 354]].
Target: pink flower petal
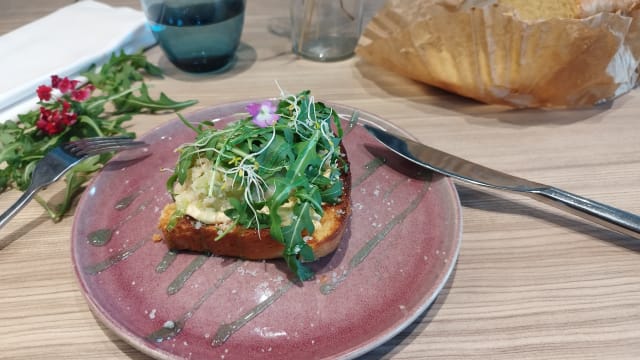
[[253, 109], [263, 113]]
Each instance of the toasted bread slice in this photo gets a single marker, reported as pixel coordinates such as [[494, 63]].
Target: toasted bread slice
[[253, 244]]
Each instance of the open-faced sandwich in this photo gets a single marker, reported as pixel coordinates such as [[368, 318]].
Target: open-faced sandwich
[[274, 184]]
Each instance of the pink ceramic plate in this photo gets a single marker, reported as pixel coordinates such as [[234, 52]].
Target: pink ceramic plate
[[399, 250]]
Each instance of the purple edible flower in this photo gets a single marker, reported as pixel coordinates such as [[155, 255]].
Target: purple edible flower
[[264, 113]]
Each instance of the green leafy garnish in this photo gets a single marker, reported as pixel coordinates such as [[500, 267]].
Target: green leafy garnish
[[274, 168], [112, 94]]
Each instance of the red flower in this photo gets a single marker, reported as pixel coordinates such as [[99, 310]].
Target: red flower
[[83, 93], [44, 92], [55, 80], [68, 117], [56, 116], [54, 121], [63, 84], [49, 121]]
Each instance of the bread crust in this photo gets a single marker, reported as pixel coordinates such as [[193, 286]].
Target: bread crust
[[587, 8], [189, 234]]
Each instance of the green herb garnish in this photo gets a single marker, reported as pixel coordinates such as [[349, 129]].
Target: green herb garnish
[[275, 168], [69, 110]]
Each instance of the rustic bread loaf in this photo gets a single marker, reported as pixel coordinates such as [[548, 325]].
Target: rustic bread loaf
[[566, 9], [521, 53]]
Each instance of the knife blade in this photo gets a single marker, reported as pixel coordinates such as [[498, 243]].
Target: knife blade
[[469, 172]]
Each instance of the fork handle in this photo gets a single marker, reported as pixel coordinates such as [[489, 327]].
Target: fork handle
[[608, 216], [17, 206]]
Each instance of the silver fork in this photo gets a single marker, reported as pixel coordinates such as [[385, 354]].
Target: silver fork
[[60, 160]]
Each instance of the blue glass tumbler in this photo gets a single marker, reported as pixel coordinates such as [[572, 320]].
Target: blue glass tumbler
[[197, 35]]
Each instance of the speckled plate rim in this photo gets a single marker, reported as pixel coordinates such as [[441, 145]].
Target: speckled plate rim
[[142, 346]]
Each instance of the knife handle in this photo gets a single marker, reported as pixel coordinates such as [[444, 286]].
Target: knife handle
[[610, 217]]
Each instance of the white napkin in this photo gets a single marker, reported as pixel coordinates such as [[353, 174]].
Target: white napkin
[[64, 43]]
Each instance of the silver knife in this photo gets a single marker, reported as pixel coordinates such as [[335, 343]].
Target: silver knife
[[610, 217]]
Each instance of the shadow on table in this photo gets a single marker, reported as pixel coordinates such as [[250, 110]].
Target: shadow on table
[[442, 102], [395, 344], [126, 349], [244, 59], [6, 240], [472, 197], [54, 194]]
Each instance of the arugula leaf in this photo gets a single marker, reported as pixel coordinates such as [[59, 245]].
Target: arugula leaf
[[142, 102], [296, 249], [22, 144], [307, 156], [282, 191]]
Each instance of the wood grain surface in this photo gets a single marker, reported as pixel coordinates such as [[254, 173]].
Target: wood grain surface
[[531, 282]]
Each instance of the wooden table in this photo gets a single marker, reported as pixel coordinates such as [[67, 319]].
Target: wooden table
[[530, 283]]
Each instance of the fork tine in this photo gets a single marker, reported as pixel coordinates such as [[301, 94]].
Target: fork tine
[[62, 158], [94, 146], [100, 139], [82, 143], [103, 148]]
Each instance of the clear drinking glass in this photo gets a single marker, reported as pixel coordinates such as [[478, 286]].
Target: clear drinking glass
[[325, 30], [197, 35]]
